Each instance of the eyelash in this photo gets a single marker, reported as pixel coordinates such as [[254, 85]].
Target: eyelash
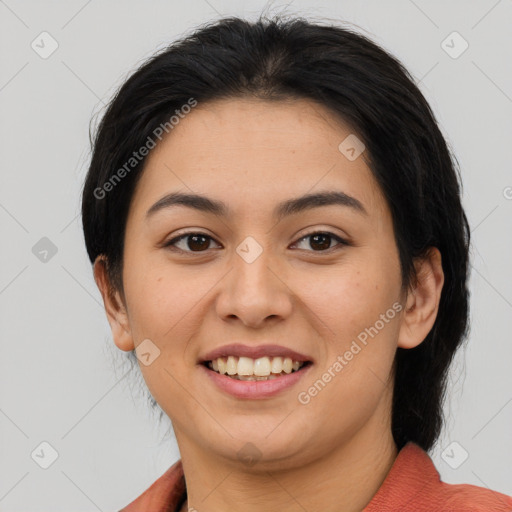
[[171, 243]]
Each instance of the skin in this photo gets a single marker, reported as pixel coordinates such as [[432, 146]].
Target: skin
[[334, 452]]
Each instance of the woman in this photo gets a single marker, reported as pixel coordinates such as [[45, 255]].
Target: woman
[[276, 229]]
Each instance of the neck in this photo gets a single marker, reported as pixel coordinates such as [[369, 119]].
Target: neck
[[346, 478]]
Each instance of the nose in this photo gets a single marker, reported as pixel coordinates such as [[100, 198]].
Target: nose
[[255, 292]]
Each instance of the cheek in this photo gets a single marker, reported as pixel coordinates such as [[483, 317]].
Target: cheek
[[350, 297], [363, 325], [161, 296], [165, 302]]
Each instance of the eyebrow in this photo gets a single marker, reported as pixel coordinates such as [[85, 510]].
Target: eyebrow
[[284, 209]]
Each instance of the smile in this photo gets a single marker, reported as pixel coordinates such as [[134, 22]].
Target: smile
[[248, 369]]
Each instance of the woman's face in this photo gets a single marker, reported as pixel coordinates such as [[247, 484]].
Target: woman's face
[[256, 275]]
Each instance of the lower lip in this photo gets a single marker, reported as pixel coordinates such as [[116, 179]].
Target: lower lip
[[255, 389]]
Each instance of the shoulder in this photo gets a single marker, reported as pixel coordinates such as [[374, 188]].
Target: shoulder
[[472, 498], [164, 495], [413, 483]]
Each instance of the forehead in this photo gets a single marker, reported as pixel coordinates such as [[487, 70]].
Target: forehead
[[245, 151]]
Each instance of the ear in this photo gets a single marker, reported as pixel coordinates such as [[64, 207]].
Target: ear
[[116, 311], [422, 302]]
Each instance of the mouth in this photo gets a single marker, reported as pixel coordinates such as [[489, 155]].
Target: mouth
[[260, 369], [249, 372]]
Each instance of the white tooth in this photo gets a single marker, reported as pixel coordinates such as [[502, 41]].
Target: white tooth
[[277, 365], [296, 365], [262, 366], [245, 366], [221, 363], [231, 365], [215, 365], [287, 365]]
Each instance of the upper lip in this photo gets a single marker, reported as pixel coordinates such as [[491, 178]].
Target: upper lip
[[254, 352]]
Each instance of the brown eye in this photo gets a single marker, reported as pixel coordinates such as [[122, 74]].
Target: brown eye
[[320, 241], [191, 242]]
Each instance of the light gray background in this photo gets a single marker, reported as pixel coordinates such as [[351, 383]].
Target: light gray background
[[57, 381]]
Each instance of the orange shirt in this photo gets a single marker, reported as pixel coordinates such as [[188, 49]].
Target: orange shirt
[[412, 485]]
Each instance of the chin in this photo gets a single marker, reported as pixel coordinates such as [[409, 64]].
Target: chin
[[265, 447]]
